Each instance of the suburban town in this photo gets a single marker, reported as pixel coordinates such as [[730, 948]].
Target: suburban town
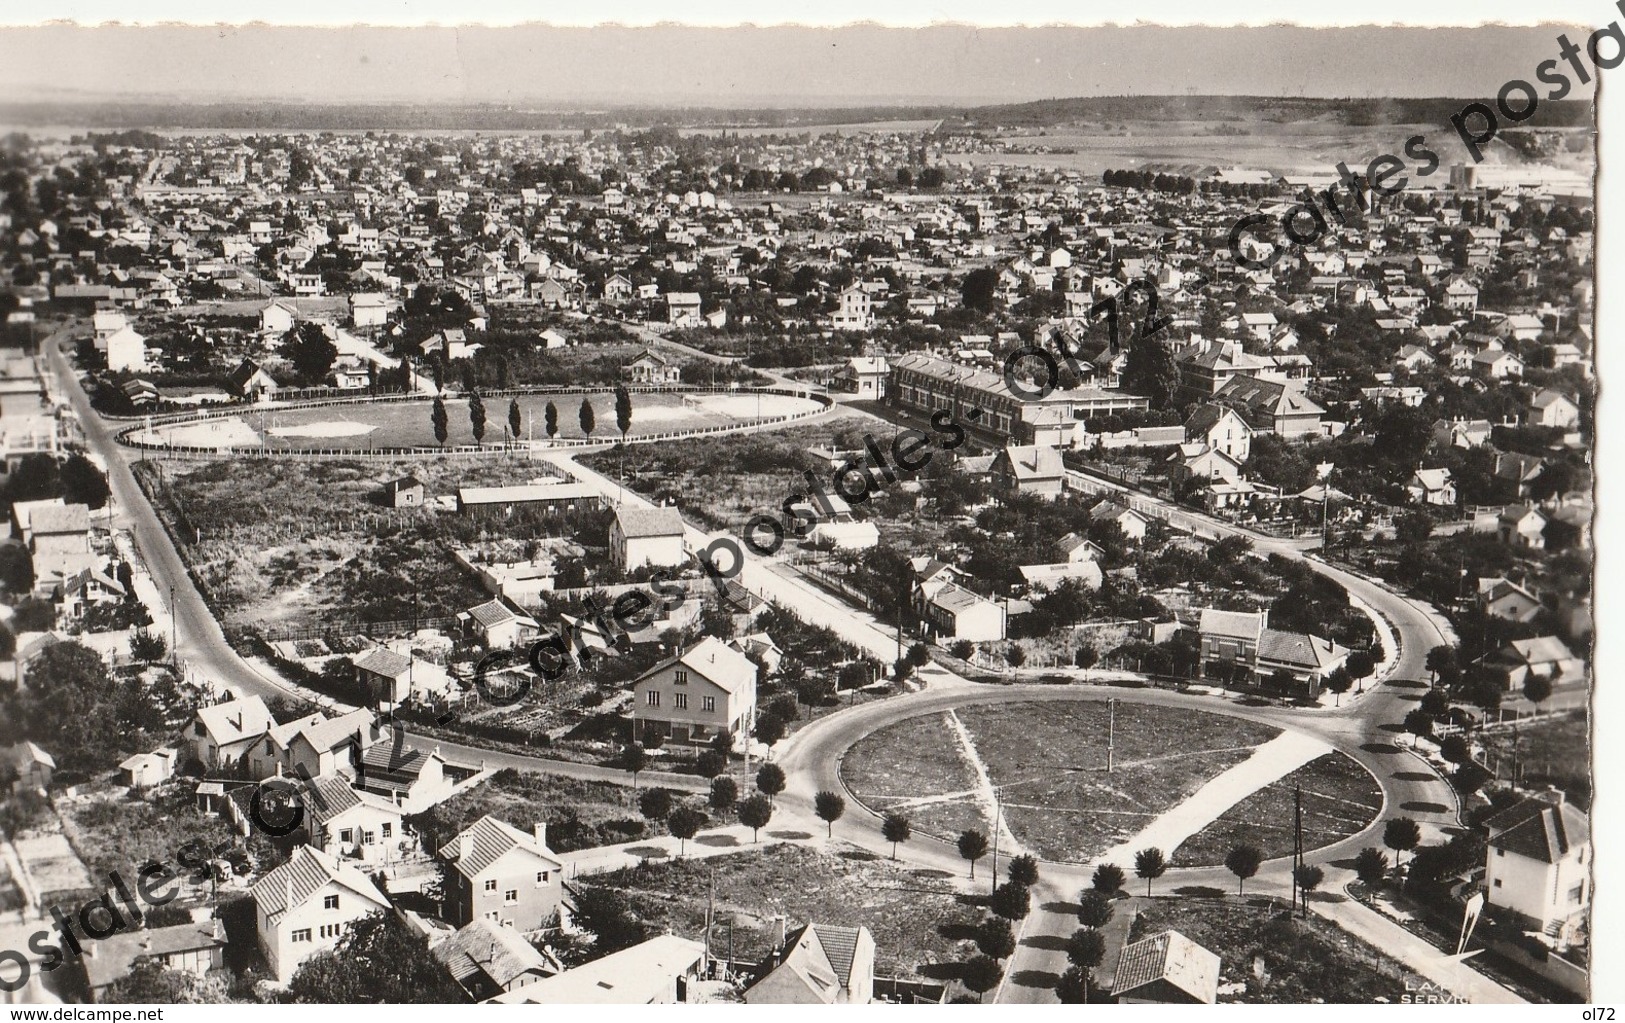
[[899, 561]]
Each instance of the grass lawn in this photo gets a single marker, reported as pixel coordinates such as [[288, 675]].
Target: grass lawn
[[1339, 798], [579, 814], [908, 768], [1304, 960], [1049, 760], [911, 913]]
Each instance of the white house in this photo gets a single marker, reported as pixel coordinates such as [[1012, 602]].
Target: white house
[[709, 688], [307, 905], [126, 350], [1554, 409], [369, 310], [646, 536], [221, 734], [1537, 863], [1431, 486], [854, 310]]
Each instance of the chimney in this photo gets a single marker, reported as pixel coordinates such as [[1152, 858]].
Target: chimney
[[146, 941], [465, 846], [1554, 795], [541, 834]]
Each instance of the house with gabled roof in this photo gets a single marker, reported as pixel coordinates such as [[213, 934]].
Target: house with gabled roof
[[1131, 522], [818, 965], [307, 905], [1541, 656], [660, 971], [953, 612], [406, 776], [652, 367], [706, 690], [501, 874], [1030, 469], [1553, 409], [1431, 486], [1505, 599], [1166, 969], [312, 746], [197, 948], [250, 381], [1537, 863], [487, 959], [221, 734], [499, 626], [646, 536]]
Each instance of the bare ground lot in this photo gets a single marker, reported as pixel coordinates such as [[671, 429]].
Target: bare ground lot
[[1303, 960], [578, 814], [1339, 798], [908, 911], [1049, 762]]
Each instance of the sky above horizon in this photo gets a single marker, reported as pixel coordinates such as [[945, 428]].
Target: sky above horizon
[[669, 65]]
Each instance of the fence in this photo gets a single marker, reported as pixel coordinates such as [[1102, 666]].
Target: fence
[[127, 438], [282, 633]]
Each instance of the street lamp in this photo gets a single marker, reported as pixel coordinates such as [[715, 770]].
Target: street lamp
[[174, 655]]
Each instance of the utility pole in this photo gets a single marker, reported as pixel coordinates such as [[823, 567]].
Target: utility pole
[[174, 654], [1297, 842], [1111, 734], [998, 816]]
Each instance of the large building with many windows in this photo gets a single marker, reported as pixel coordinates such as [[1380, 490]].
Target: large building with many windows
[[926, 384]]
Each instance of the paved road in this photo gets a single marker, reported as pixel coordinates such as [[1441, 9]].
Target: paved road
[[1365, 730]]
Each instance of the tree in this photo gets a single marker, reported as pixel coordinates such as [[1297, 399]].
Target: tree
[[1149, 369], [919, 655], [633, 760], [513, 418], [685, 822], [829, 808], [982, 974], [1538, 688], [1360, 665], [149, 982], [1085, 949], [16, 568], [1401, 835], [963, 649], [711, 763], [1442, 664], [550, 418], [608, 915], [770, 780], [1108, 879], [476, 416], [378, 961], [1024, 869], [585, 417], [1150, 864], [1435, 702], [894, 827], [307, 347], [1419, 723], [1094, 908], [1309, 878], [1339, 681], [1072, 987], [83, 483], [972, 846], [1086, 656], [1456, 749], [655, 805], [1243, 861], [147, 646], [1412, 527], [437, 416], [754, 813], [623, 411], [1371, 866], [995, 938], [1011, 900], [979, 289], [724, 794], [1016, 655], [770, 728]]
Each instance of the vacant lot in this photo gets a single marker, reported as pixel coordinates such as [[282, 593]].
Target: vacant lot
[[907, 911], [578, 814], [1555, 751], [1049, 762], [1339, 798], [1303, 960], [111, 832]]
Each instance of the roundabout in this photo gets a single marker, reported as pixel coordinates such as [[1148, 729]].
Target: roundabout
[[1085, 780]]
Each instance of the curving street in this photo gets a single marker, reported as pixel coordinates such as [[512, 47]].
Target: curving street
[[1366, 729]]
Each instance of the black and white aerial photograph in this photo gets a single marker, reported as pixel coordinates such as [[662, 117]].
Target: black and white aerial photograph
[[644, 505]]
